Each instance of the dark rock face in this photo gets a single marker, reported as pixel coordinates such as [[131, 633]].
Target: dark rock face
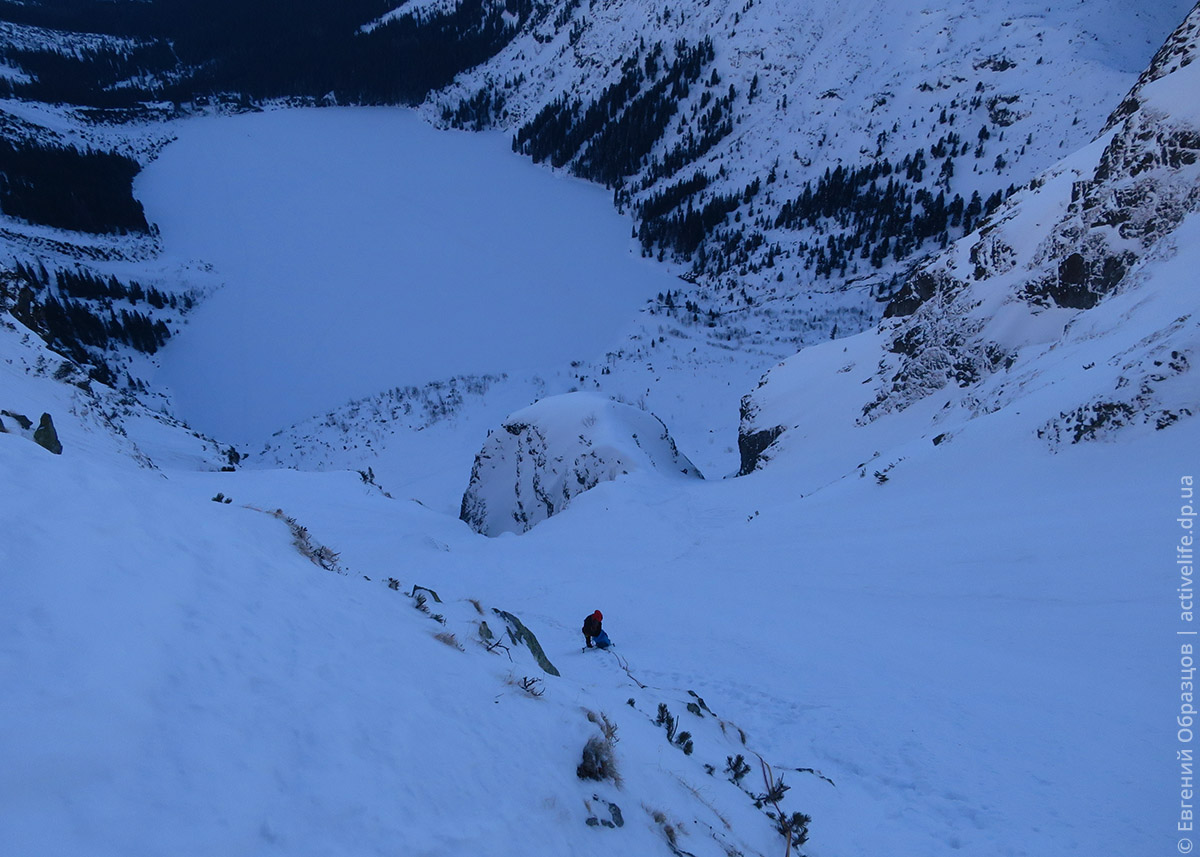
[[1081, 282], [46, 436], [1135, 197], [753, 445], [916, 290], [1089, 422], [1137, 400], [20, 419], [1072, 271], [752, 440]]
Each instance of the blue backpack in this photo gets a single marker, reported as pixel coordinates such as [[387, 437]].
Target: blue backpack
[[601, 640]]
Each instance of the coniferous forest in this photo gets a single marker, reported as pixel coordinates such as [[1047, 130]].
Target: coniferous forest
[[89, 191], [81, 315], [608, 140], [183, 49]]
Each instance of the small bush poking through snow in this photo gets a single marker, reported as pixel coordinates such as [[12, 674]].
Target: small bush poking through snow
[[599, 762], [794, 828], [736, 767], [606, 726], [317, 553], [666, 719], [531, 686]]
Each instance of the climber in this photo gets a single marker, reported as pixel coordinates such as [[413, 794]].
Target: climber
[[593, 631]]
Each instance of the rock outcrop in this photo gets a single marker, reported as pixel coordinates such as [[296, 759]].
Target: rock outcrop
[[753, 439], [554, 450], [46, 436]]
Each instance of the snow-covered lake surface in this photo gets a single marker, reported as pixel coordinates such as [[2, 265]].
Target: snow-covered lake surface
[[424, 254]]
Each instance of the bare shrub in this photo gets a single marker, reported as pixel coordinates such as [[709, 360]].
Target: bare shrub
[[671, 831], [598, 762], [316, 552], [606, 726], [532, 686]]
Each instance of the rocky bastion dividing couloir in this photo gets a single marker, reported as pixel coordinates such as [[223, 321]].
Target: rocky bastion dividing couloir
[[545, 455]]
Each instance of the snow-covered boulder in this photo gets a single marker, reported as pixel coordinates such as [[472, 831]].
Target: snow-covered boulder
[[554, 450]]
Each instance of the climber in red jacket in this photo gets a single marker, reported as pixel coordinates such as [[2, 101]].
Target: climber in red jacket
[[593, 631]]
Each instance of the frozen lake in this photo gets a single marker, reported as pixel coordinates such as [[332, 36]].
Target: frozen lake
[[362, 249]]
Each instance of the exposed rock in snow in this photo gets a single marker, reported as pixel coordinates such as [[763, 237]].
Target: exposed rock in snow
[[753, 438], [1106, 209], [45, 435], [554, 450], [985, 315]]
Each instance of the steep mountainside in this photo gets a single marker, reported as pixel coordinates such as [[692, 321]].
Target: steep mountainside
[[1075, 265], [779, 148]]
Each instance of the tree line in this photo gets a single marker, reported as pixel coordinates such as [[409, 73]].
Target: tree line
[[872, 213], [83, 316], [609, 139]]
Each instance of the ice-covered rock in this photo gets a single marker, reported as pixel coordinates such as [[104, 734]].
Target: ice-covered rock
[[552, 451]]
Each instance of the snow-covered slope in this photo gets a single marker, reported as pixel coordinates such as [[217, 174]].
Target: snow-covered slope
[[179, 677], [1073, 286]]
